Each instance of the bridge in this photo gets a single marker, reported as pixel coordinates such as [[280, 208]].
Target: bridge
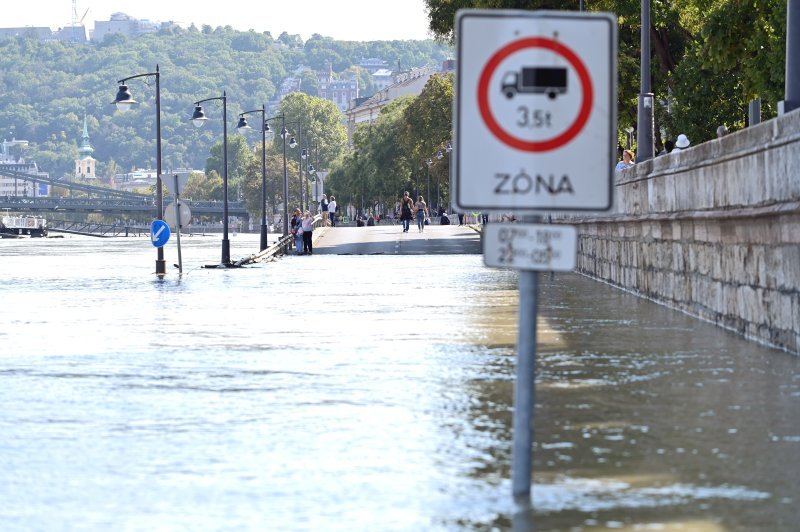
[[86, 199]]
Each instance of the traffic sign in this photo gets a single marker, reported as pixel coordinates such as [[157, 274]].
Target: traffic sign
[[169, 182], [170, 215], [535, 110], [159, 233], [536, 247]]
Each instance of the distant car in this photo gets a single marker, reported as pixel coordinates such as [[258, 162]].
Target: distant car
[[536, 80]]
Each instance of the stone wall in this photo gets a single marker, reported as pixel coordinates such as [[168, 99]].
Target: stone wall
[[713, 230]]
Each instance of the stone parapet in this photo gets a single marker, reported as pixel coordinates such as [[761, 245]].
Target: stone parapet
[[713, 230]]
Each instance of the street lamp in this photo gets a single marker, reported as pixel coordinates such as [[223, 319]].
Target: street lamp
[[243, 125], [304, 156], [292, 143], [124, 101], [428, 164], [198, 119], [645, 111]]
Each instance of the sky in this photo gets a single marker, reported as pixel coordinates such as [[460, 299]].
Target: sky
[[351, 20]]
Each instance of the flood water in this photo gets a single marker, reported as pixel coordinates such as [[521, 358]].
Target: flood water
[[370, 393]]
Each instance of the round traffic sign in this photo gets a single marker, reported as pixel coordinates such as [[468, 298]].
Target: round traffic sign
[[159, 233], [546, 144]]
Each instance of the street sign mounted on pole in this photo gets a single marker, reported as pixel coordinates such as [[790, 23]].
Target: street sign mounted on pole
[[535, 247], [535, 111]]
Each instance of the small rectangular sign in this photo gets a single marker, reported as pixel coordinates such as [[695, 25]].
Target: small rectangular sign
[[538, 247]]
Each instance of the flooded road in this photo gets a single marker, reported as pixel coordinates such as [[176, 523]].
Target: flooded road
[[338, 392]]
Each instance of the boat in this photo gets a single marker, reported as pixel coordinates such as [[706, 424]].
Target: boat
[[22, 226]]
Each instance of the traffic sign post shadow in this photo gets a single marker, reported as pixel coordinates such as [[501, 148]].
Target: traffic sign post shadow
[[535, 121]]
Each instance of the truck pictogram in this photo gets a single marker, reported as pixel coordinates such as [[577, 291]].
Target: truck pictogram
[[536, 80]]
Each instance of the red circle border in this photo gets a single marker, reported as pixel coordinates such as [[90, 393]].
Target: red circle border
[[539, 145]]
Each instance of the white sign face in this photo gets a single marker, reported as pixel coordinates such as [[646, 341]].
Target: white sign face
[[535, 111], [539, 247], [169, 182]]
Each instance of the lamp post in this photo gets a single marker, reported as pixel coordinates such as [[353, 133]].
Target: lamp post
[[428, 164], [284, 134], [243, 125], [198, 119], [644, 132], [124, 101], [305, 156]]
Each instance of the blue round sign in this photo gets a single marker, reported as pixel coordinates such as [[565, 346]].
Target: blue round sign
[[159, 233]]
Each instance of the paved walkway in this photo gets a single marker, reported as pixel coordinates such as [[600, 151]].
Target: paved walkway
[[391, 240]]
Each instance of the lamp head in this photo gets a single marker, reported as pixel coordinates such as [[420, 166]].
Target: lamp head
[[124, 99], [243, 123], [199, 117], [304, 154], [429, 162], [292, 142], [311, 168], [448, 148], [439, 154]]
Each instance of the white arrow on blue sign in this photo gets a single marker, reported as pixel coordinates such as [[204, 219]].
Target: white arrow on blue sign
[[159, 233]]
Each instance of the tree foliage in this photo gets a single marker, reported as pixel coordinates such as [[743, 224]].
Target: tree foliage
[[46, 87], [709, 58]]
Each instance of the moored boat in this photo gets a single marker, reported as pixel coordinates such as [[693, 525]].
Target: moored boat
[[22, 226]]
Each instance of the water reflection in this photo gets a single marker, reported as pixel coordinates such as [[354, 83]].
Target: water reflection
[[337, 392]]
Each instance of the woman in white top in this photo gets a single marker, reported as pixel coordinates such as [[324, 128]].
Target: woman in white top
[[332, 210]]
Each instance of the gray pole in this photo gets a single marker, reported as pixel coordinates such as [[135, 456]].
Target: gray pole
[[264, 230], [644, 133], [792, 97], [226, 243], [524, 389], [284, 134], [754, 112], [178, 223]]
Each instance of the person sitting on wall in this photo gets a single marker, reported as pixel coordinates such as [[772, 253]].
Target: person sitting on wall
[[681, 144], [626, 162]]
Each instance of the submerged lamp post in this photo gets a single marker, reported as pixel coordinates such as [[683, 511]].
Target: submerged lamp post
[[125, 101], [198, 119], [243, 125]]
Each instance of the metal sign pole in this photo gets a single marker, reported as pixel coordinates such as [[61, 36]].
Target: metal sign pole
[[178, 223], [524, 390]]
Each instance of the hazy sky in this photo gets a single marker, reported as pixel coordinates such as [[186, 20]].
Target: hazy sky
[[356, 20]]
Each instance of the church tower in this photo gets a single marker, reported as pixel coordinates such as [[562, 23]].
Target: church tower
[[85, 164]]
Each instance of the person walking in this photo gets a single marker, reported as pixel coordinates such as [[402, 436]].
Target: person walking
[[406, 209], [307, 225], [421, 209], [323, 208], [332, 211]]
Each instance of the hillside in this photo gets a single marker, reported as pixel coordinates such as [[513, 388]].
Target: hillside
[[47, 87]]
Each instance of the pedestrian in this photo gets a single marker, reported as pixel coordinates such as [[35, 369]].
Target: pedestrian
[[460, 218], [681, 144], [406, 208], [626, 162], [323, 208], [421, 209], [444, 219], [297, 231], [332, 211], [307, 225]]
